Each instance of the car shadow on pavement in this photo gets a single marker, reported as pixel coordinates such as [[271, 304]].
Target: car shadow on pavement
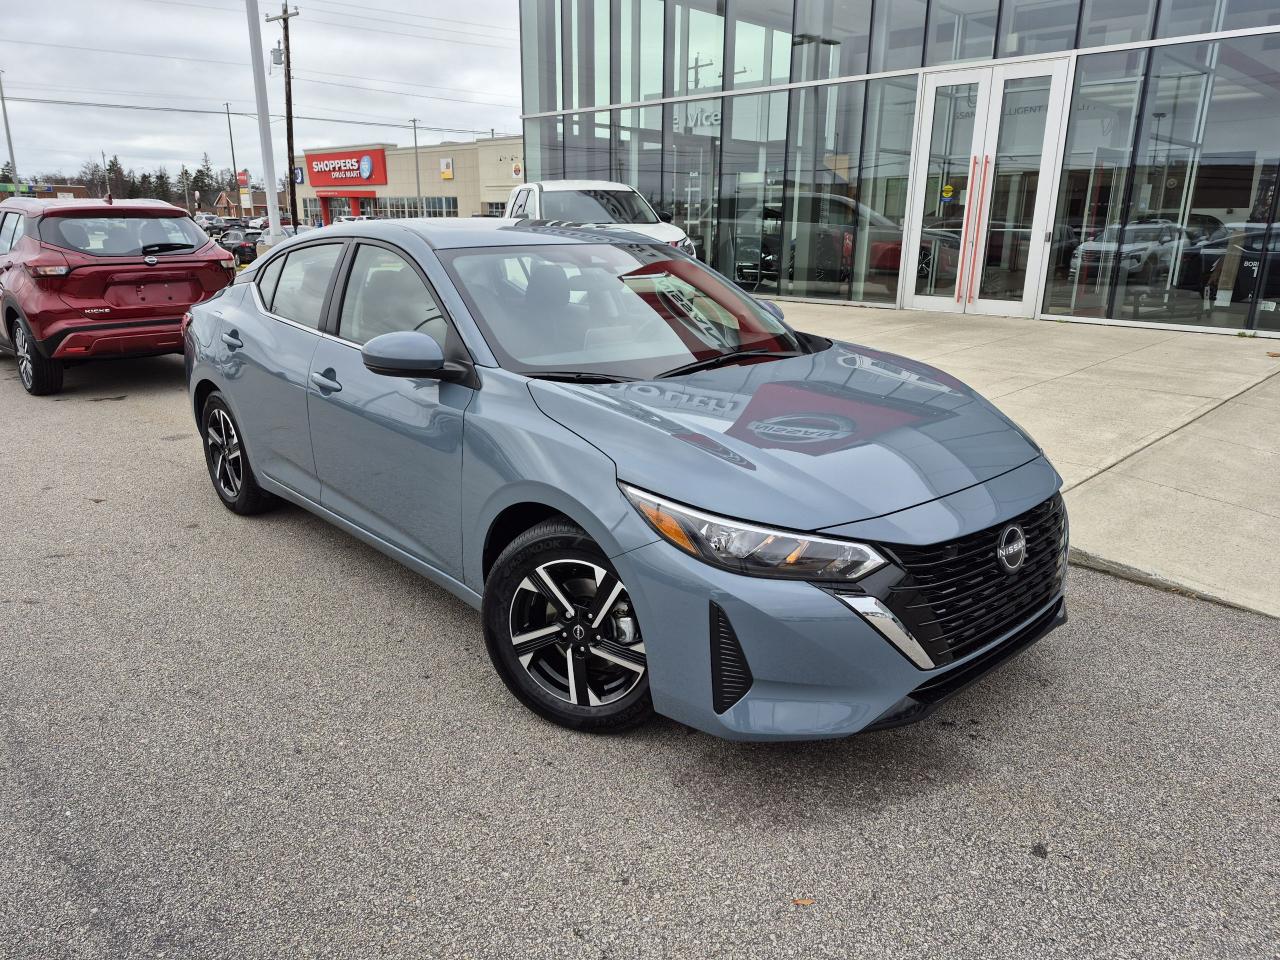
[[117, 379]]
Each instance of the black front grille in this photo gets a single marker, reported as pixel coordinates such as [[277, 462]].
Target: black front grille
[[957, 596], [730, 676]]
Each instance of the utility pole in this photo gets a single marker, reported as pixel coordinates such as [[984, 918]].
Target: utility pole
[[264, 118], [235, 170], [4, 108], [417, 168], [284, 18]]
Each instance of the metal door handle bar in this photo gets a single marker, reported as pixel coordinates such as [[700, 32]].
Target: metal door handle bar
[[964, 229], [977, 225], [325, 383]]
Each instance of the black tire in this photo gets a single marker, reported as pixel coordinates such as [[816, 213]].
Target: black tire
[[229, 469], [617, 696], [39, 375]]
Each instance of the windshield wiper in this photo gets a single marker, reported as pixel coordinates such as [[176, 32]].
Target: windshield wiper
[[166, 247], [578, 376], [722, 358]]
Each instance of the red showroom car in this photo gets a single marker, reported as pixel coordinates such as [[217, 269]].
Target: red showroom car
[[94, 280]]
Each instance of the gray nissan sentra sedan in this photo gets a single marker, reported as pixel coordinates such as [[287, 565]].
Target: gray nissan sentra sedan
[[661, 497]]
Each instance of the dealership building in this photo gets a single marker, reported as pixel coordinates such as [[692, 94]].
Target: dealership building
[[1107, 160], [471, 179]]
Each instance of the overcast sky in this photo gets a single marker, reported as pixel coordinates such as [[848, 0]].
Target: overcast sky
[[404, 53]]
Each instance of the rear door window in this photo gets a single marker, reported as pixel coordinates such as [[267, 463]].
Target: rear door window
[[304, 281]]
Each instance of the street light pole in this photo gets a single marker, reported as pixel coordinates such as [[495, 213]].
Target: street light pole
[[235, 170], [284, 18], [4, 108], [264, 118], [417, 167]]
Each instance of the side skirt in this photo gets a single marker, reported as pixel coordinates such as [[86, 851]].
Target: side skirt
[[456, 587]]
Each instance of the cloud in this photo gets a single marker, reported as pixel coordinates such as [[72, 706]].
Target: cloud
[[386, 62]]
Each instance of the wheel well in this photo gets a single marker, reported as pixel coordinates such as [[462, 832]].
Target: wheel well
[[512, 522], [203, 389], [10, 321]]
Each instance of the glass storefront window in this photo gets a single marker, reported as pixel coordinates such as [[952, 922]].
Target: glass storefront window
[[1178, 18], [832, 38], [639, 50], [961, 30], [1103, 22], [540, 54], [586, 145], [587, 68], [696, 64], [821, 215], [1194, 244], [638, 154], [882, 188], [1095, 176], [1028, 27], [691, 180], [759, 38], [897, 35], [544, 148], [753, 154]]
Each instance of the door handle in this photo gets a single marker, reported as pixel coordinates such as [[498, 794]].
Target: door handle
[[326, 382], [978, 212], [232, 340], [965, 239]]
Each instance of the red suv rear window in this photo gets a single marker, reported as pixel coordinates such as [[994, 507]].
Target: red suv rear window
[[131, 236]]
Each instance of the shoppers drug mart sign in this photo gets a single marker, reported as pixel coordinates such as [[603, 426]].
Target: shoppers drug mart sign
[[347, 168]]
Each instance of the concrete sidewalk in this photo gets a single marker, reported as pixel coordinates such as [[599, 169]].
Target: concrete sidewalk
[[1168, 442]]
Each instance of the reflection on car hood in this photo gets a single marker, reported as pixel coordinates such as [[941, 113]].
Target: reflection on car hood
[[835, 437]]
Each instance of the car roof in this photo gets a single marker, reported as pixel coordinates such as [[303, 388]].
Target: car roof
[[558, 185], [33, 206], [452, 233]]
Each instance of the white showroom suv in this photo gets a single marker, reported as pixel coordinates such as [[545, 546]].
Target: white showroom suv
[[595, 202]]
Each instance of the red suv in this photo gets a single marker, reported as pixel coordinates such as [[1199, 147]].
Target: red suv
[[93, 280]]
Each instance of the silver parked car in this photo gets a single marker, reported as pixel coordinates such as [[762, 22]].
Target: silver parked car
[[661, 496]]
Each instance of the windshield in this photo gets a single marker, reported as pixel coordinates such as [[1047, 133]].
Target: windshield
[[107, 236], [633, 311], [596, 206]]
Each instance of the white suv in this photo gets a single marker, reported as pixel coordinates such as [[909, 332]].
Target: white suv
[[594, 202]]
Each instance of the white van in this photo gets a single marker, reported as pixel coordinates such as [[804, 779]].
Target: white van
[[593, 202]]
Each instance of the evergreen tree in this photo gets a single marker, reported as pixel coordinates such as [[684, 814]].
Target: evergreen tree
[[117, 180], [163, 186], [182, 189], [6, 172]]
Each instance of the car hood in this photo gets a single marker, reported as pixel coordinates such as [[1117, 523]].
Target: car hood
[[843, 435]]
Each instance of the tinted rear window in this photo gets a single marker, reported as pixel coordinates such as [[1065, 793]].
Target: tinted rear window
[[135, 236]]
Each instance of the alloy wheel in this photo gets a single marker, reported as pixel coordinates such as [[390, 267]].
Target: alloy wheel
[[22, 347], [225, 456], [573, 630]]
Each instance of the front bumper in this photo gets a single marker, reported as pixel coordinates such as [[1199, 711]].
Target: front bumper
[[818, 669]]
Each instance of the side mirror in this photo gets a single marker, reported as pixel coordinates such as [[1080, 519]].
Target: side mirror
[[771, 307], [665, 216], [406, 353]]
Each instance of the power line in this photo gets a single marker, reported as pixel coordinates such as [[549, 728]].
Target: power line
[[334, 13], [416, 16], [409, 83], [401, 93], [413, 36], [239, 113], [129, 53]]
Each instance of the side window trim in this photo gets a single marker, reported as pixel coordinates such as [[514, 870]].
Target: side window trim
[[324, 309]]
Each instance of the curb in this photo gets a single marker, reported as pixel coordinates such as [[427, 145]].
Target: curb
[[1090, 561]]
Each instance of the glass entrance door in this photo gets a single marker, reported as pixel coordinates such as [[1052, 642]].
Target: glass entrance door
[[980, 226]]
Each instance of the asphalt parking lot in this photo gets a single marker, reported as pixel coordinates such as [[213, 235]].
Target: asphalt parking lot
[[229, 737]]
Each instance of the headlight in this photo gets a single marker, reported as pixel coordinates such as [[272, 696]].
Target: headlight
[[751, 550]]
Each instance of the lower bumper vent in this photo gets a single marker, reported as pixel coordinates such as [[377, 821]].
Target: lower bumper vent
[[730, 675]]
